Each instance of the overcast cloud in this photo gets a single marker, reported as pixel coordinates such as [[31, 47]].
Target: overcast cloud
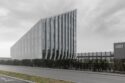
[[100, 23]]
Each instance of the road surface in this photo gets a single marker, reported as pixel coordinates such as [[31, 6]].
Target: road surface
[[69, 75], [6, 79]]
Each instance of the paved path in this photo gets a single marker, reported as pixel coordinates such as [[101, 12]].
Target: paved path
[[69, 75], [6, 79]]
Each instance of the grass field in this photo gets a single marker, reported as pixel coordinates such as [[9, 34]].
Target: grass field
[[36, 79]]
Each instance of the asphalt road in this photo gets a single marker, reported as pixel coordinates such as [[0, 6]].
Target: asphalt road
[[69, 75], [6, 79]]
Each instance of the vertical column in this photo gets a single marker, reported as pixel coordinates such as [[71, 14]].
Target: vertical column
[[34, 56], [65, 27], [63, 36], [29, 44], [41, 37], [14, 50], [56, 38], [74, 36], [71, 22], [46, 37], [22, 48], [67, 35], [69, 26], [32, 41], [59, 36], [50, 24], [62, 40], [26, 45], [33, 48], [49, 37], [52, 38], [37, 42], [19, 49]]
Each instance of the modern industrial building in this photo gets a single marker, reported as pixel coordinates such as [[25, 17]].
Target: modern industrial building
[[119, 50], [119, 53], [95, 55], [51, 38]]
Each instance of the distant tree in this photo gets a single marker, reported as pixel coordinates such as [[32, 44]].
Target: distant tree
[[27, 62]]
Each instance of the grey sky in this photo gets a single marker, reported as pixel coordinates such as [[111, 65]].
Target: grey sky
[[100, 22]]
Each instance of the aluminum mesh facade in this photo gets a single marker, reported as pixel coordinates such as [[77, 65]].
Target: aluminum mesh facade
[[51, 38]]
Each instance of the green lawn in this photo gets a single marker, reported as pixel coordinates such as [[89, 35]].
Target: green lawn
[[35, 79]]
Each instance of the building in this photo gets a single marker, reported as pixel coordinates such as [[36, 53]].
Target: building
[[5, 58], [119, 50], [95, 55], [51, 38]]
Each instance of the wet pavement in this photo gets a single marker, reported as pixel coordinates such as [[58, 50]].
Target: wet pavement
[[6, 79], [69, 75]]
